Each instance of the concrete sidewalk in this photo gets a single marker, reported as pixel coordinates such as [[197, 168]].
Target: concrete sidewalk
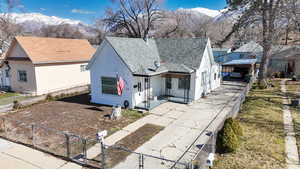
[[15, 156], [183, 123], [291, 149]]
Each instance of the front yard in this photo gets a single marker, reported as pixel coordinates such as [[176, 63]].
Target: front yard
[[263, 141], [74, 115], [293, 89]]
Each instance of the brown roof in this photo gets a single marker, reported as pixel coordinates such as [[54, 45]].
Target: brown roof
[[55, 50]]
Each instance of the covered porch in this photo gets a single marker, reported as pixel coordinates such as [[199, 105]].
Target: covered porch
[[152, 91]]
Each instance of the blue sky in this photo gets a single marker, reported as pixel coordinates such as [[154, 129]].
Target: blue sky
[[88, 10]]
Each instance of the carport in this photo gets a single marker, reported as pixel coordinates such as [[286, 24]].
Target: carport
[[242, 69]]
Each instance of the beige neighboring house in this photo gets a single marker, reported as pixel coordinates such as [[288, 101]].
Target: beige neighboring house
[[39, 65]]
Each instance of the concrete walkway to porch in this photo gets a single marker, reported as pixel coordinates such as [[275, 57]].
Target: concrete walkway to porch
[[183, 123]]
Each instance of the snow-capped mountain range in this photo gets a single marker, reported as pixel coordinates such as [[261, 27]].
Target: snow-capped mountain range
[[203, 11], [20, 18], [35, 21]]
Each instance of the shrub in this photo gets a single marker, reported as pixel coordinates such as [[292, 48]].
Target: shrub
[[228, 141], [49, 97], [17, 104], [235, 125]]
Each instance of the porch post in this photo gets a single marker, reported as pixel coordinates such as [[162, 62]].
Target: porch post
[[147, 92]]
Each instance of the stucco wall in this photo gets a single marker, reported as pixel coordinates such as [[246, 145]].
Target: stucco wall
[[109, 64], [17, 52], [4, 81], [51, 78], [18, 86]]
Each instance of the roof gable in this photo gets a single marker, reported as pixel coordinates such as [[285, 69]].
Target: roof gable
[[55, 50], [135, 52], [188, 52]]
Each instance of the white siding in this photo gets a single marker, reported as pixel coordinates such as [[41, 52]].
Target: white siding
[[51, 78], [156, 88], [211, 69], [108, 64]]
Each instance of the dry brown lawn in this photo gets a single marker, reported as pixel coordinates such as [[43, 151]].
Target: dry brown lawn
[[74, 115], [262, 145]]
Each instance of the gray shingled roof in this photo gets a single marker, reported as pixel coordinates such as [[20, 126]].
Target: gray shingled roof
[[285, 51], [186, 52], [175, 55], [135, 52], [251, 47]]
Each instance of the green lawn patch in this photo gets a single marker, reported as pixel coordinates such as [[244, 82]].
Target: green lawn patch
[[6, 95], [262, 143]]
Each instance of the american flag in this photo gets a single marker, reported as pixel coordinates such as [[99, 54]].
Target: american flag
[[120, 85]]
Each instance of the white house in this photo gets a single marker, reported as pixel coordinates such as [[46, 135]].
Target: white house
[[154, 70], [38, 66]]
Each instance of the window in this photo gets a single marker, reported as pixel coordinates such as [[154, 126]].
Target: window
[[83, 68], [204, 79], [6, 73], [139, 87], [184, 83], [169, 83], [22, 75], [215, 76], [109, 85]]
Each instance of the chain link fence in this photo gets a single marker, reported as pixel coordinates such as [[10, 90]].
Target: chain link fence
[[58, 143], [73, 147]]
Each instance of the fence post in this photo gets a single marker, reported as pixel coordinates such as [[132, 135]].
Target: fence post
[[190, 165], [32, 130], [103, 155], [68, 145], [83, 140], [4, 126], [141, 161]]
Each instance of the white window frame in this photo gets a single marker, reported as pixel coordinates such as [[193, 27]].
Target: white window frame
[[113, 87]]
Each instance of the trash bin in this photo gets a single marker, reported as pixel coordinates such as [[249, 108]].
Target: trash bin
[[295, 102]]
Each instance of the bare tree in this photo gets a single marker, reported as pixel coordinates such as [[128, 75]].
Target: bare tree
[[100, 31], [61, 31], [8, 28], [133, 18], [264, 13], [173, 24]]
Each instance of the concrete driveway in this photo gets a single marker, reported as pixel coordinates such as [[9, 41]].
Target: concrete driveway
[[183, 124]]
